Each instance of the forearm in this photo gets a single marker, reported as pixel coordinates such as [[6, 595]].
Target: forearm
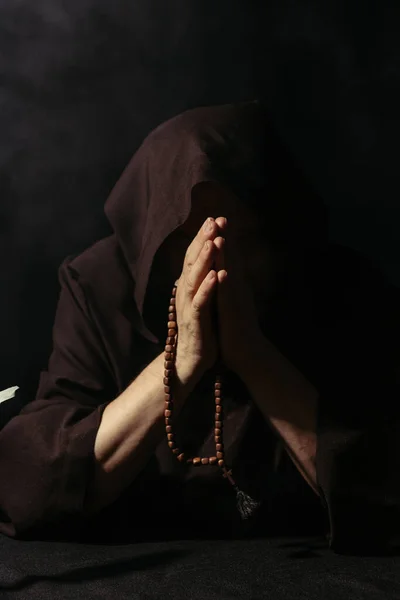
[[132, 425], [288, 402]]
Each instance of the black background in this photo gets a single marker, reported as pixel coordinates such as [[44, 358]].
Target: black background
[[84, 81]]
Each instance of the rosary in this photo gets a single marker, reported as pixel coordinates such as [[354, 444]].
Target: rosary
[[245, 504]]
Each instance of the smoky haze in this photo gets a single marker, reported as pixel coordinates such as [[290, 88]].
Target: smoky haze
[[83, 82]]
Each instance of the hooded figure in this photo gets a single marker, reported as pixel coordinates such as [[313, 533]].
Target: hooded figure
[[327, 310]]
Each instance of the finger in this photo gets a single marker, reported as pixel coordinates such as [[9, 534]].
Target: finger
[[222, 223], [195, 276], [219, 243], [205, 293], [207, 231]]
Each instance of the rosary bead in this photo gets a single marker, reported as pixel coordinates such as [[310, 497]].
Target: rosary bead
[[169, 366]]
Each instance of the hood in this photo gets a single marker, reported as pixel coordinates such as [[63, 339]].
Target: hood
[[232, 144]]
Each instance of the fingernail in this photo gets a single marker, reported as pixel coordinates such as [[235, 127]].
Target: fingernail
[[210, 223]]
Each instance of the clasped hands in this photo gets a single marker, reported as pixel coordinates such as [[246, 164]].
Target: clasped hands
[[240, 335]]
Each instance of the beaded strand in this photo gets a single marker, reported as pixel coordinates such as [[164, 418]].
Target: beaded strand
[[170, 355]]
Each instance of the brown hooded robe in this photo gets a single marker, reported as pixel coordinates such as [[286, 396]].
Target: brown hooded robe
[[345, 341]]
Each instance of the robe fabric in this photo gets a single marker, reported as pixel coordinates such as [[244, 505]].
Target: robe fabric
[[344, 340]]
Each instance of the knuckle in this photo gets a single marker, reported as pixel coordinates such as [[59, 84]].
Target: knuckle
[[189, 283]]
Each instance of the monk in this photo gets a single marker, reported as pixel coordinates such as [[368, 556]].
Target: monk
[[306, 332]]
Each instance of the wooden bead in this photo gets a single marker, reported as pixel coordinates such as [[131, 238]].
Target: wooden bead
[[175, 451], [221, 462], [171, 309], [217, 386], [205, 461], [171, 325], [217, 393], [189, 461], [167, 389], [168, 364], [171, 444], [168, 397], [218, 425], [217, 439], [168, 372], [219, 447], [174, 291], [171, 332], [167, 421], [218, 401], [212, 460], [167, 413], [181, 457], [197, 461], [220, 455], [169, 348], [168, 356], [168, 428], [166, 381], [171, 341], [217, 431], [218, 408], [167, 405], [170, 437], [171, 316], [217, 416]]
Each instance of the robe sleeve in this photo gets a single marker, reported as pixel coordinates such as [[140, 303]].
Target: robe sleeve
[[358, 433], [47, 451]]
